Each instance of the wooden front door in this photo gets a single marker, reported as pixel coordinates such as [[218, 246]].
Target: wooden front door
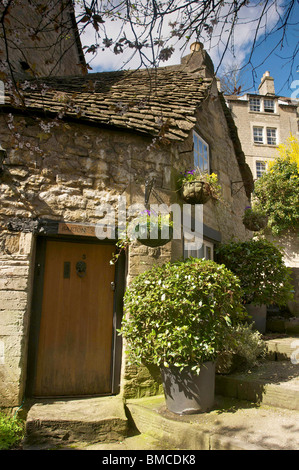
[[76, 327]]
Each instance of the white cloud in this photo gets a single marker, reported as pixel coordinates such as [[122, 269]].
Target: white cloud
[[239, 45]]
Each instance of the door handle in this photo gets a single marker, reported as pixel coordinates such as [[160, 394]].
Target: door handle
[[112, 285]]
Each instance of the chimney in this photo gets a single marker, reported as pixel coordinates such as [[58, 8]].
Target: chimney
[[198, 61], [266, 86]]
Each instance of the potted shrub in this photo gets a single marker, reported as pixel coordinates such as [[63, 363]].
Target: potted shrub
[[254, 219], [198, 187], [175, 318], [264, 277], [243, 349]]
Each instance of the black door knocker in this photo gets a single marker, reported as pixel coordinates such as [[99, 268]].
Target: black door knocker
[[81, 268]]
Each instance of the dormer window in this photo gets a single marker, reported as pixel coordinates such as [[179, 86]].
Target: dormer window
[[258, 105], [255, 104], [269, 106], [201, 153]]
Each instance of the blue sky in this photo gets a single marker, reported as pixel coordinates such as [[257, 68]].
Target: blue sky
[[278, 63]]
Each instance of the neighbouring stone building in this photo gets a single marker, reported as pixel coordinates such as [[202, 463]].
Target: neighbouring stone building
[[79, 143], [265, 120]]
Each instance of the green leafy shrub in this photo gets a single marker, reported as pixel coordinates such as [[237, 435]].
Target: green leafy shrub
[[11, 431], [243, 349], [254, 219], [277, 193], [176, 314], [260, 267]]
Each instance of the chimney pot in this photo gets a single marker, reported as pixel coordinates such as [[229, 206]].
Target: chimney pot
[[196, 46]]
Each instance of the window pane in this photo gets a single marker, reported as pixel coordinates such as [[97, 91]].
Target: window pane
[[258, 135], [201, 153], [254, 104], [271, 136], [269, 106], [260, 168], [206, 158]]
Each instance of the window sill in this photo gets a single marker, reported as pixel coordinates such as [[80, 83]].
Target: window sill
[[264, 113], [265, 145]]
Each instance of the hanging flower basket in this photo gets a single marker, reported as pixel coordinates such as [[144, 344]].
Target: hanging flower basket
[[196, 192], [254, 220], [153, 230], [198, 187]]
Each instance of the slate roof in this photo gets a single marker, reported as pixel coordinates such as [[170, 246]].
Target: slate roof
[[153, 102]]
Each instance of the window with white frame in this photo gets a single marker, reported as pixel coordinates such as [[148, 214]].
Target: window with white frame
[[255, 104], [206, 251], [271, 136], [260, 168], [269, 106], [258, 135], [262, 135], [201, 153]]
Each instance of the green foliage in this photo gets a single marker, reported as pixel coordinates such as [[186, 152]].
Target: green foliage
[[11, 431], [277, 193], [243, 349], [260, 267], [255, 219], [148, 226], [176, 314]]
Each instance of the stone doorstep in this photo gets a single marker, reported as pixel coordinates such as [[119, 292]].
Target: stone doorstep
[[180, 435], [231, 425], [274, 383], [68, 421]]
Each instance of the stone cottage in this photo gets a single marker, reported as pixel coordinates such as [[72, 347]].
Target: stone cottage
[[82, 142]]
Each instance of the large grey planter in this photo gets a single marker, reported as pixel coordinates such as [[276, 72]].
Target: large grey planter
[[259, 316], [188, 393]]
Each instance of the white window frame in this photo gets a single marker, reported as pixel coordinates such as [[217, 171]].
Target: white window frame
[[263, 135], [205, 252], [255, 104], [258, 136], [201, 153], [260, 162], [271, 134], [269, 109]]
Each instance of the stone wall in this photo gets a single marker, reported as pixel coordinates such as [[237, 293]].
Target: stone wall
[[66, 175], [42, 40], [288, 243]]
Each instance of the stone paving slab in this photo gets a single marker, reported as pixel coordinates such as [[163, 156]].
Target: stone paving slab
[[283, 347], [231, 425], [274, 383]]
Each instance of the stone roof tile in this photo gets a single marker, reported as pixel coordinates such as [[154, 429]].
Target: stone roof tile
[[142, 100]]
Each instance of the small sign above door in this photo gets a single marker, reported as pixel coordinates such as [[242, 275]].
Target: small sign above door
[[76, 229]]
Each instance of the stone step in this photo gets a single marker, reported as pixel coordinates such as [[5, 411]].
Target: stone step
[[231, 425], [75, 421], [274, 383], [288, 326], [282, 348]]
